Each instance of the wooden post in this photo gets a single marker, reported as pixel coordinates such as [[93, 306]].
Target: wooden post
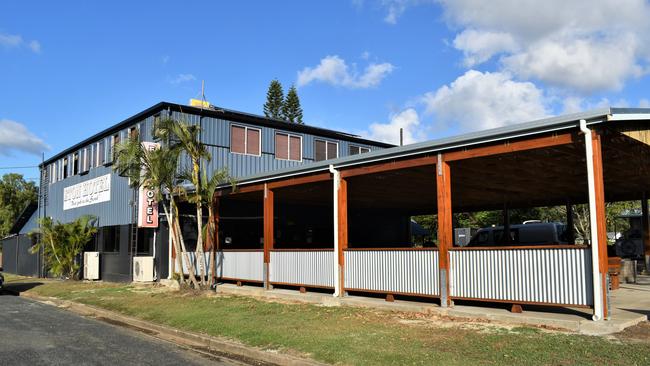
[[342, 217], [601, 218], [216, 245], [645, 223], [570, 237], [268, 233], [445, 226]]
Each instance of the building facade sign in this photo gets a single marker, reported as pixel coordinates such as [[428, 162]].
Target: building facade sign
[[147, 203], [86, 193]]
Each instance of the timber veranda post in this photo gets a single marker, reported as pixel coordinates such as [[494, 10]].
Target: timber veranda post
[[445, 226], [601, 218], [268, 233], [342, 217]]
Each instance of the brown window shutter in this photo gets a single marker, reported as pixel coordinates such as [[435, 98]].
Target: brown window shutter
[[295, 152], [354, 150], [253, 142], [281, 146], [237, 138], [332, 150], [320, 152]]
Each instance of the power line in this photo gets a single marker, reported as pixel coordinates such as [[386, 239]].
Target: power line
[[19, 167]]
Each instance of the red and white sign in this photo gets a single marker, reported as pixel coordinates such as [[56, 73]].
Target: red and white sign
[[147, 203]]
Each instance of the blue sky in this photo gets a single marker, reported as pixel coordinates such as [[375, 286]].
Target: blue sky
[[434, 68]]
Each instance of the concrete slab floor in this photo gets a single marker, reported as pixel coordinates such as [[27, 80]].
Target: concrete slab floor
[[630, 305]]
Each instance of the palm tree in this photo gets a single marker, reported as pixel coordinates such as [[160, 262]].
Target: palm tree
[[62, 243], [206, 195], [157, 170], [187, 138]]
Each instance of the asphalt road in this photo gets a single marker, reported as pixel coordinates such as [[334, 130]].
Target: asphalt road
[[32, 333]]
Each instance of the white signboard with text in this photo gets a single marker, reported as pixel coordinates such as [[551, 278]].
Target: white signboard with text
[[86, 193], [147, 203]]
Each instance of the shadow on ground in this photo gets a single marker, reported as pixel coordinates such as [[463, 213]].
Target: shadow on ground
[[15, 288]]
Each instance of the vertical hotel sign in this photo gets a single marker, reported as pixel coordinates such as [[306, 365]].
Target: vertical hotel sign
[[147, 203]]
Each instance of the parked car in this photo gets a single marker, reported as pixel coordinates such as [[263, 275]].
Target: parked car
[[532, 233], [2, 282]]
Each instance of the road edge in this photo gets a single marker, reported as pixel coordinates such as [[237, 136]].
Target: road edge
[[195, 341]]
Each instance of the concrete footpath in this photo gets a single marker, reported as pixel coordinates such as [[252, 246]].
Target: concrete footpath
[[208, 345], [630, 306]]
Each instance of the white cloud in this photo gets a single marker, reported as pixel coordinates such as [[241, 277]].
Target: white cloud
[[395, 8], [479, 47], [478, 101], [644, 103], [182, 78], [15, 40], [580, 45], [15, 136], [407, 119], [334, 70]]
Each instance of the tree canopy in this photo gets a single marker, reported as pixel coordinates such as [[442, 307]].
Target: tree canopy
[[274, 100], [291, 110], [15, 194]]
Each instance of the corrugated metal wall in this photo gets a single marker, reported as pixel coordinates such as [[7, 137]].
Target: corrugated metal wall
[[247, 266], [558, 276], [215, 133], [310, 268], [17, 258], [393, 271]]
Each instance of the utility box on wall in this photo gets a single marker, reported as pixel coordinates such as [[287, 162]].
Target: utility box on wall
[[143, 269], [91, 265]]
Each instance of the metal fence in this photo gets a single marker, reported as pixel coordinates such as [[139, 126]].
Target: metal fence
[[547, 275], [233, 265], [302, 267], [398, 271]]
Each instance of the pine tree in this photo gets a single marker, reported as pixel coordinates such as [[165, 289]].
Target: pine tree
[[274, 100], [291, 110]]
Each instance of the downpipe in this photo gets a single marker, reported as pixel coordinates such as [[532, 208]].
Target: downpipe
[[337, 266], [597, 281]]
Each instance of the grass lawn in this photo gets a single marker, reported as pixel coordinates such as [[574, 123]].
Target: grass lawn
[[347, 335]]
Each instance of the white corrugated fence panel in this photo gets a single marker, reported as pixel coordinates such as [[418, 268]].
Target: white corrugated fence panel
[[548, 275], [395, 271], [311, 268], [244, 265], [192, 255]]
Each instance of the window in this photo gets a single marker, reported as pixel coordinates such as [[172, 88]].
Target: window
[[355, 150], [324, 150], [288, 147], [101, 155], [133, 133], [85, 159], [114, 141], [91, 156], [245, 140], [75, 163], [111, 239], [65, 167]]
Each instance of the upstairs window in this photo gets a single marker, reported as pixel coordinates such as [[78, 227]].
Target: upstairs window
[[65, 167], [133, 133], [114, 141], [75, 163], [325, 150], [355, 150], [245, 140], [85, 159], [101, 154], [288, 147]]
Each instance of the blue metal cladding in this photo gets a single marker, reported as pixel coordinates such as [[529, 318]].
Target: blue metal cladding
[[215, 133], [117, 211]]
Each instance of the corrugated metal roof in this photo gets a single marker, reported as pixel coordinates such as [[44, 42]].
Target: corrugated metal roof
[[502, 133]]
